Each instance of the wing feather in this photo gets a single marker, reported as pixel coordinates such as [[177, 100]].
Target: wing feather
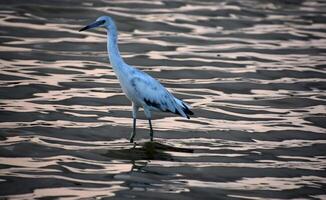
[[151, 93]]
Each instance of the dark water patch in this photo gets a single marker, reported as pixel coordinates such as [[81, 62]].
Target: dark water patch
[[48, 116], [24, 91], [280, 102], [6, 77], [84, 101], [317, 120], [145, 61], [30, 32], [89, 84]]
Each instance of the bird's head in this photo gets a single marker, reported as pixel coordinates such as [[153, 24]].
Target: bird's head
[[103, 21]]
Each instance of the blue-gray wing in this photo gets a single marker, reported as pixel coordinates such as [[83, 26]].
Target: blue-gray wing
[[152, 94]]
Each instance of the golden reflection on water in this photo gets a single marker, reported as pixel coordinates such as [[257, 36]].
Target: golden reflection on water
[[71, 192]]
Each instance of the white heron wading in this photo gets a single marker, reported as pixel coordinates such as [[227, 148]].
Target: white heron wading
[[140, 88]]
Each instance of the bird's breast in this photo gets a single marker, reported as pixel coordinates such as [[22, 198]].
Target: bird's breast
[[129, 91]]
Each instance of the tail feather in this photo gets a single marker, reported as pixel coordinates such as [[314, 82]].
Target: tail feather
[[187, 110], [184, 109]]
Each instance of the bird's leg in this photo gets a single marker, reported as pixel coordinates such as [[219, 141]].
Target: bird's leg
[[149, 116], [134, 116], [151, 129], [133, 131]]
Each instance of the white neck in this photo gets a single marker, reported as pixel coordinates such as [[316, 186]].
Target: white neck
[[113, 51]]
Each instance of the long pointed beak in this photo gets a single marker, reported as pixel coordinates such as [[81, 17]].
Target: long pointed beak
[[92, 25]]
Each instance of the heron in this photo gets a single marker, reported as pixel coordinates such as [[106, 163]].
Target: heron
[[140, 88]]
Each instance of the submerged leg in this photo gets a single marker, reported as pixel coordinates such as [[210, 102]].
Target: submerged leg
[[151, 133], [134, 116], [149, 116], [133, 131]]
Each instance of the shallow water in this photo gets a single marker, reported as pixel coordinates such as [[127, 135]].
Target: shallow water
[[254, 71]]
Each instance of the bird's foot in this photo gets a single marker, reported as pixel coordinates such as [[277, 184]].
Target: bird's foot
[[132, 136], [151, 134]]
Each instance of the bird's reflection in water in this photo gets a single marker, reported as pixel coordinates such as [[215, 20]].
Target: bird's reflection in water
[[141, 177], [146, 151]]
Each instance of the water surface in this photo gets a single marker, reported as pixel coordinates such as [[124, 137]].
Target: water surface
[[254, 72]]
